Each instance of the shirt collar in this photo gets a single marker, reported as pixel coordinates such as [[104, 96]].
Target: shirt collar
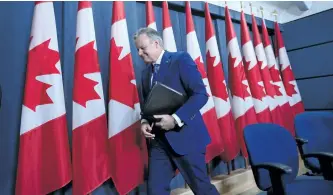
[[159, 59]]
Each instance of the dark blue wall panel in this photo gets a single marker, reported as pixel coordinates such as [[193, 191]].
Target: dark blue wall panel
[[312, 61], [317, 93], [309, 42], [308, 31]]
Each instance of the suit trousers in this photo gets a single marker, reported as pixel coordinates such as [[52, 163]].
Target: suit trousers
[[163, 162]]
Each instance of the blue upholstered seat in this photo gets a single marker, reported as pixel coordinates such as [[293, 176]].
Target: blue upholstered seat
[[315, 133], [274, 160]]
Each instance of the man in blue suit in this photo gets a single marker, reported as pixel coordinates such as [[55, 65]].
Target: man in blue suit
[[179, 140]]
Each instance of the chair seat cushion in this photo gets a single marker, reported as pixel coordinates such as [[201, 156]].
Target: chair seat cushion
[[308, 186]]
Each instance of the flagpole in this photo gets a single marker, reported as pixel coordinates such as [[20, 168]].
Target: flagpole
[[262, 12], [245, 159], [228, 167], [275, 13], [251, 7]]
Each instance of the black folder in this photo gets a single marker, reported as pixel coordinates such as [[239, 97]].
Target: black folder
[[162, 100]]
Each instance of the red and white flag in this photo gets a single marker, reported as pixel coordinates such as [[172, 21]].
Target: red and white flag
[[168, 37], [90, 134], [281, 95], [219, 91], [150, 18], [288, 77], [266, 76], [44, 157], [128, 151], [252, 70], [216, 147], [241, 101]]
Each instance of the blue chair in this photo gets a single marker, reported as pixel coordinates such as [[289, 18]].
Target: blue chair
[[274, 161], [314, 134]]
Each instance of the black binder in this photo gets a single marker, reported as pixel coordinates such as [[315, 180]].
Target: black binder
[[162, 100]]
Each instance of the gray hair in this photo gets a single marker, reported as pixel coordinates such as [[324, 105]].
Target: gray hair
[[151, 33]]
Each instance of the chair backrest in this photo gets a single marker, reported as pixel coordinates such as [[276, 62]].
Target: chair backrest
[[270, 143], [317, 128]]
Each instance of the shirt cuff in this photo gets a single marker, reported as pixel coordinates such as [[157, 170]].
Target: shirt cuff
[[178, 121], [144, 121]]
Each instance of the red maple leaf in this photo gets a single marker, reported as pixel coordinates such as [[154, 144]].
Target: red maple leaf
[[216, 78], [277, 90], [266, 77], [85, 62], [121, 74], [201, 67], [287, 77], [275, 75], [254, 78], [236, 79], [41, 61]]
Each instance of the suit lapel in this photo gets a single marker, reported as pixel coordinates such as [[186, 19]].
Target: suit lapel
[[165, 63], [147, 73]]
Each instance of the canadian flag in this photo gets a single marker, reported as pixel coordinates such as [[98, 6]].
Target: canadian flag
[[266, 76], [150, 18], [128, 151], [281, 95], [241, 101], [219, 91], [168, 37], [208, 113], [44, 158], [288, 77], [252, 70], [90, 134]]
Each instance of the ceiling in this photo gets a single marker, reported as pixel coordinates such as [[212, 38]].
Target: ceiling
[[287, 10]]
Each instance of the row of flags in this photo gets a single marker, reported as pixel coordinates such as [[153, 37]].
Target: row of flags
[[256, 91], [102, 148], [113, 148]]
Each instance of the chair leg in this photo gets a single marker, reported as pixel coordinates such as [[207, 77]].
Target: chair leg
[[277, 184]]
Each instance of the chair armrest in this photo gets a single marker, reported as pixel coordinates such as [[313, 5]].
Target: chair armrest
[[300, 141], [325, 161], [323, 155], [276, 170]]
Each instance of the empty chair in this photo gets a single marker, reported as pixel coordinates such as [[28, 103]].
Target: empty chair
[[314, 132], [274, 161]]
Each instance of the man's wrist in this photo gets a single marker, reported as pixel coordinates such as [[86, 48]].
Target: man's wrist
[[177, 120], [144, 121]]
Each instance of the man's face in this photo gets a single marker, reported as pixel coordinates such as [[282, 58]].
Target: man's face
[[148, 49]]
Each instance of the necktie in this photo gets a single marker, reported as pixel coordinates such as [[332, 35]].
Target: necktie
[[156, 68]]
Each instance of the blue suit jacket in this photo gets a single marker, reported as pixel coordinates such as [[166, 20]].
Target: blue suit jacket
[[180, 72]]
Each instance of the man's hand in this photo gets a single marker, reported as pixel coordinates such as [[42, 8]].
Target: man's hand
[[146, 129], [167, 122]]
